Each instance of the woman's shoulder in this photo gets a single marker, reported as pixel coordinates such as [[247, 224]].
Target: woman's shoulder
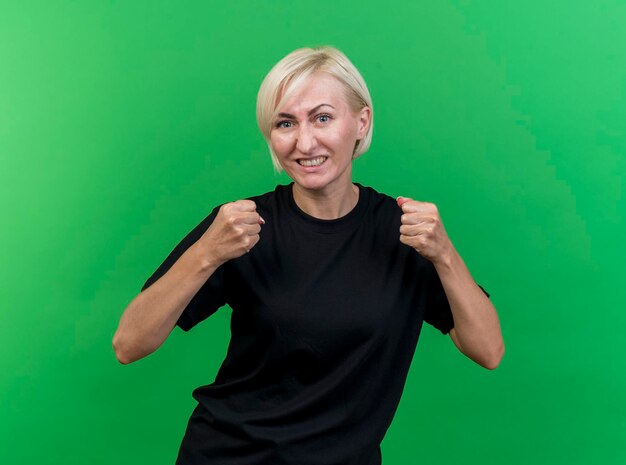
[[270, 198], [271, 202], [378, 200]]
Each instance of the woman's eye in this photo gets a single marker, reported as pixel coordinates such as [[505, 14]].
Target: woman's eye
[[283, 124], [324, 118]]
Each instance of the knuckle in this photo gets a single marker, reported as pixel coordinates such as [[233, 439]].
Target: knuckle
[[247, 204]]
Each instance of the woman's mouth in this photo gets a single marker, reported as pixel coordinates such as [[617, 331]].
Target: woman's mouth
[[311, 161]]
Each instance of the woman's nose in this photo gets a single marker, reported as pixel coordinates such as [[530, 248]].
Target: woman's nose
[[306, 141]]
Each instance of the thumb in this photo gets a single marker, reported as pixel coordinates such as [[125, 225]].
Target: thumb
[[402, 200]]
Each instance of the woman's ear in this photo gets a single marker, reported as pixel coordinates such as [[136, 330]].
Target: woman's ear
[[365, 117]]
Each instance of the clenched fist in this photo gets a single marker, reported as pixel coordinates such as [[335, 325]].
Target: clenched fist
[[422, 229], [234, 231]]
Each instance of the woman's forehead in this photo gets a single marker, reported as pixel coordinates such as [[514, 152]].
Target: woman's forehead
[[314, 90]]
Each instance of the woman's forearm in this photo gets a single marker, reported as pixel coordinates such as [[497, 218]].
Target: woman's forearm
[[151, 316], [476, 321]]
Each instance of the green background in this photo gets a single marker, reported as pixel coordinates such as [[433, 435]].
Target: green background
[[123, 123]]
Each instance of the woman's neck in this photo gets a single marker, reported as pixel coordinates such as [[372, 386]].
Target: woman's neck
[[326, 205]]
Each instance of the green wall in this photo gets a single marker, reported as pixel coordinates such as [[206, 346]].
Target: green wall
[[122, 123]]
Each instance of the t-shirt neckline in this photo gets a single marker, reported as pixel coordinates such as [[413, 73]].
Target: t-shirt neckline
[[346, 222]]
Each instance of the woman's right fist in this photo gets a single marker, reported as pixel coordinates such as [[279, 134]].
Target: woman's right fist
[[234, 231]]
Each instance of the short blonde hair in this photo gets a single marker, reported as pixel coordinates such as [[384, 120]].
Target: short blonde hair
[[290, 72]]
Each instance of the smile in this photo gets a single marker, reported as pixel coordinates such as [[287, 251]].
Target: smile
[[312, 161]]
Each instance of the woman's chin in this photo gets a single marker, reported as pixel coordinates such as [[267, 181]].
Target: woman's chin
[[319, 181], [311, 182]]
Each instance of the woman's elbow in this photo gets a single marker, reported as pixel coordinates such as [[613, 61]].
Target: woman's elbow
[[122, 352], [494, 360]]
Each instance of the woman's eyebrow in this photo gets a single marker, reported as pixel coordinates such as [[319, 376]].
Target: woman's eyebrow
[[313, 110]]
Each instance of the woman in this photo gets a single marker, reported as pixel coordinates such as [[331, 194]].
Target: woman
[[329, 282]]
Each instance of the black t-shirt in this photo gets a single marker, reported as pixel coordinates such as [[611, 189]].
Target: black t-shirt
[[326, 315]]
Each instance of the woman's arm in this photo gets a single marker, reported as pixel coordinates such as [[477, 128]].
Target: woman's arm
[[151, 316], [476, 329]]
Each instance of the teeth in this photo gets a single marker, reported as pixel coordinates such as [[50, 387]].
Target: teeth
[[313, 162]]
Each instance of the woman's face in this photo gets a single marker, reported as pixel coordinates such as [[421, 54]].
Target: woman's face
[[315, 133]]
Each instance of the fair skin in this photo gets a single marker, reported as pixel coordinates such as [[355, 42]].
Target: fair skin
[[313, 138], [476, 331], [152, 315], [317, 127]]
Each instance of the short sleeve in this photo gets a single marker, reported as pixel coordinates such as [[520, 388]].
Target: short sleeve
[[438, 312], [211, 296]]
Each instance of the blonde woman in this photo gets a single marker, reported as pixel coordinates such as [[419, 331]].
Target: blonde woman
[[329, 283]]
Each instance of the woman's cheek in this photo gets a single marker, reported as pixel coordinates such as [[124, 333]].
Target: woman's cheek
[[281, 143]]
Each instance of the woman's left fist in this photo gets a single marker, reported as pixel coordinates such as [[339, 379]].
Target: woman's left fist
[[422, 229]]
